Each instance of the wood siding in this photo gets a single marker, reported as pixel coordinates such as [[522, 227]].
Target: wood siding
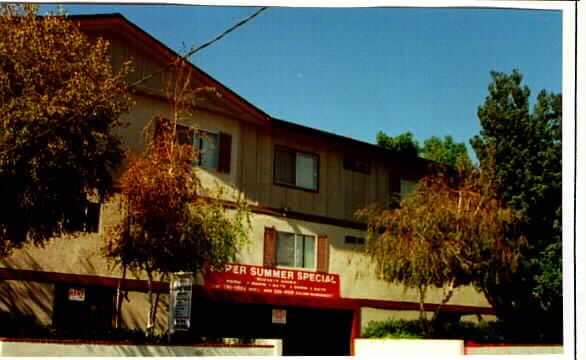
[[340, 191], [251, 169]]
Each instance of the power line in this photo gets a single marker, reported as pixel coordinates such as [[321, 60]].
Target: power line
[[201, 47]]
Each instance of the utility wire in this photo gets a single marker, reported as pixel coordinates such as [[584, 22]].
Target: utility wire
[[201, 47]]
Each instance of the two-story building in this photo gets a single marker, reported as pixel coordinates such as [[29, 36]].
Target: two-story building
[[303, 276]]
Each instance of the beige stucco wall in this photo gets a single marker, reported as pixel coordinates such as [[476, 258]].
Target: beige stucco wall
[[135, 309], [74, 254], [84, 255], [356, 271], [35, 300], [27, 298]]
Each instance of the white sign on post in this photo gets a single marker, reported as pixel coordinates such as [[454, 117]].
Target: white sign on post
[[279, 316], [180, 309], [76, 294]]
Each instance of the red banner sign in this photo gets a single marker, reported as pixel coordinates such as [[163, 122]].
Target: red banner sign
[[273, 281]]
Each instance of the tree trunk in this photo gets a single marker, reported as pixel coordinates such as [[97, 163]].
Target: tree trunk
[[150, 320], [447, 297], [119, 297], [422, 315]]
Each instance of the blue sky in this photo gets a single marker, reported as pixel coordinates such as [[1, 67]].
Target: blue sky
[[357, 71]]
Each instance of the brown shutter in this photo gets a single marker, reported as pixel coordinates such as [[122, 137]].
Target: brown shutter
[[225, 152], [270, 247], [323, 253]]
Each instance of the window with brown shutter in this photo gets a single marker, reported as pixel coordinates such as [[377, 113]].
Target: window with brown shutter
[[214, 149], [270, 246], [296, 250], [323, 253]]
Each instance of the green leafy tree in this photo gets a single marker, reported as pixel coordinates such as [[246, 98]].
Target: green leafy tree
[[525, 149], [403, 144], [445, 234], [60, 102], [446, 152], [170, 222]]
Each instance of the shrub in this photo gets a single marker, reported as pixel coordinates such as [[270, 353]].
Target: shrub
[[482, 332], [395, 329]]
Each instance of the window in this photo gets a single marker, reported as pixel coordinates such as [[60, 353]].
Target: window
[[214, 149], [357, 165], [349, 239], [407, 186], [296, 168], [295, 250], [207, 144], [86, 219]]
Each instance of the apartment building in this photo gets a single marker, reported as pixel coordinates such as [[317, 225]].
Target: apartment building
[[303, 276]]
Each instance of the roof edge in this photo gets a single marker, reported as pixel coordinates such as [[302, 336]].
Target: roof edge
[[255, 111]]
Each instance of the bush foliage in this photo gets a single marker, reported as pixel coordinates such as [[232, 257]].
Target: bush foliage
[[482, 332]]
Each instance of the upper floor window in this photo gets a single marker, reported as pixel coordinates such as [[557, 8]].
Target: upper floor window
[[296, 168], [295, 250], [358, 165], [86, 219], [214, 149], [407, 187]]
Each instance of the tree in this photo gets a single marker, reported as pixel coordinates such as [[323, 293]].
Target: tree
[[403, 144], [60, 102], [170, 222], [445, 234], [446, 152], [525, 148]]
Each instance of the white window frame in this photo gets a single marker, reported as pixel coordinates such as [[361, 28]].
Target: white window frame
[[195, 142], [406, 187], [296, 238], [294, 183], [216, 149]]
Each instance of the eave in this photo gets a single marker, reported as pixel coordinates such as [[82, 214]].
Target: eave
[[122, 27]]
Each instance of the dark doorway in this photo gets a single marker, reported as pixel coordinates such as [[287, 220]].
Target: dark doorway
[[306, 331], [318, 332], [82, 309]]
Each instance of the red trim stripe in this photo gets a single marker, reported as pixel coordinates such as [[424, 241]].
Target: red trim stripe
[[203, 294]]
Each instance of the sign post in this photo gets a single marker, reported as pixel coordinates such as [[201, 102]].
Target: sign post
[[180, 291]]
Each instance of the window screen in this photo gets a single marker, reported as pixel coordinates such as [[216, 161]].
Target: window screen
[[295, 250], [208, 146], [296, 168]]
